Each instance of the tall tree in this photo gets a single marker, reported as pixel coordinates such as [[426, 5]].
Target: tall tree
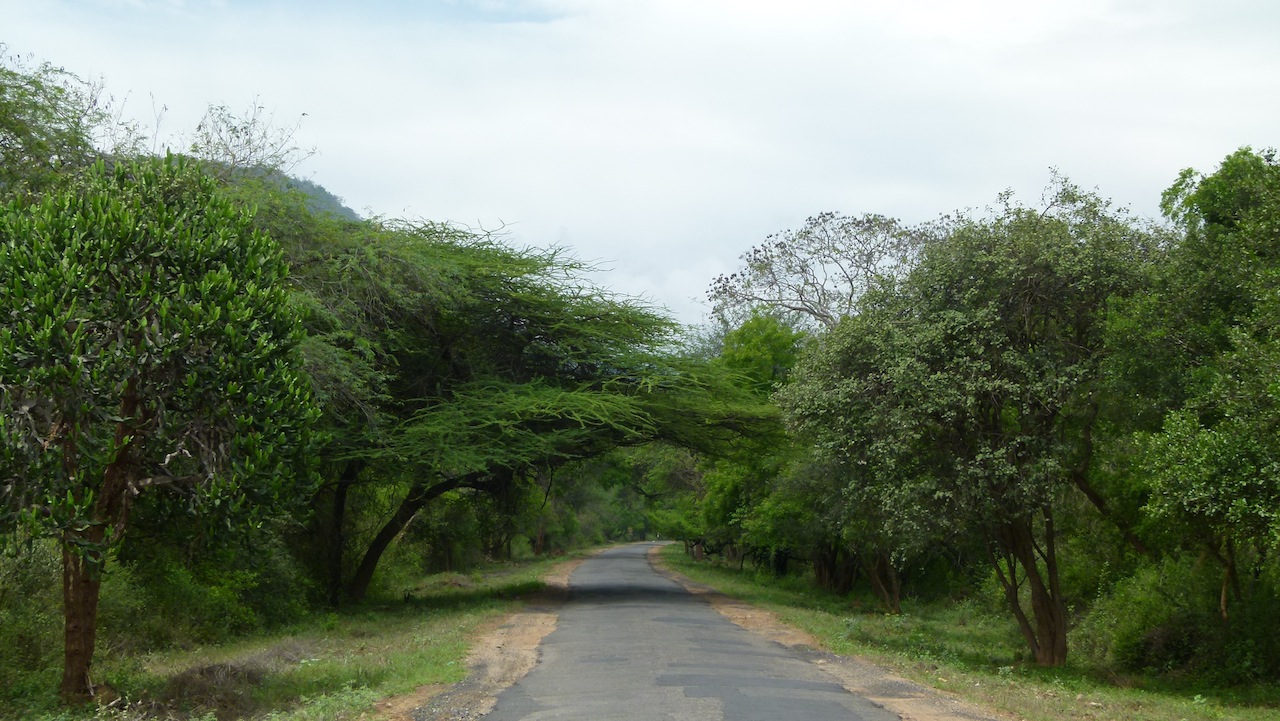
[[966, 397], [445, 359], [1211, 459], [146, 342], [818, 272], [547, 370]]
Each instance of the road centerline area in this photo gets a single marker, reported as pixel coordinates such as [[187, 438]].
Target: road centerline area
[[633, 644]]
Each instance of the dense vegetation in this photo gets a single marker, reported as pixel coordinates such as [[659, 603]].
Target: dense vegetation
[[226, 406], [1062, 405], [230, 404]]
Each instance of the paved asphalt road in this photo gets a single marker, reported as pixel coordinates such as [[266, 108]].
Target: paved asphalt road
[[631, 644]]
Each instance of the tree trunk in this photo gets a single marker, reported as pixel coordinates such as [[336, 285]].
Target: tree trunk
[[846, 572], [337, 537], [824, 567], [81, 582], [894, 582], [733, 554], [779, 560], [446, 553], [884, 580], [1230, 581], [417, 498], [84, 554], [1045, 631]]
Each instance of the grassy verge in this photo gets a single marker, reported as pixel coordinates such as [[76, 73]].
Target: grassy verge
[[334, 667], [976, 654]]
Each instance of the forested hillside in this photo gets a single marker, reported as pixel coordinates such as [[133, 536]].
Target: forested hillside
[[229, 404]]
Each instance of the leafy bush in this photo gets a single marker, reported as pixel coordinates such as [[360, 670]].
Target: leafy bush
[[30, 620], [1150, 620], [1165, 618]]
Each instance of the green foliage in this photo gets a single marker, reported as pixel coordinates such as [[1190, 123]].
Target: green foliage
[[1222, 481], [146, 347], [52, 124], [1214, 464], [492, 424], [764, 349], [445, 359], [207, 597], [30, 622], [1154, 620], [988, 389], [962, 400], [1162, 619], [145, 326]]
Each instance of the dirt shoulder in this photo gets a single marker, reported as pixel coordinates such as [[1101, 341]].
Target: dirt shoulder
[[909, 700], [505, 650]]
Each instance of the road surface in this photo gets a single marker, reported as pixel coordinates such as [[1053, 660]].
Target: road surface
[[633, 645]]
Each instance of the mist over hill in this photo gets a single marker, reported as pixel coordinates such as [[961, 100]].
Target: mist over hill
[[319, 199]]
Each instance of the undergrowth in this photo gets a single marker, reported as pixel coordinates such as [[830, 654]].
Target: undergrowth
[[329, 666]]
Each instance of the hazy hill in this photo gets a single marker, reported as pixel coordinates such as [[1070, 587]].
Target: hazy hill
[[320, 200]]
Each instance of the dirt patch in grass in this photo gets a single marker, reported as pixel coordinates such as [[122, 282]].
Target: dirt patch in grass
[[506, 650], [401, 708], [227, 688], [909, 700]]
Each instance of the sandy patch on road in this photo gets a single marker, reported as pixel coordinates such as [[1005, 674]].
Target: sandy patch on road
[[911, 701], [505, 651]]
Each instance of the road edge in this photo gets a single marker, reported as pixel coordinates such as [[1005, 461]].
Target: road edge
[[910, 700]]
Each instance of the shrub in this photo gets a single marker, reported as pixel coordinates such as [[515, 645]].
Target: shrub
[[30, 620], [1165, 618]]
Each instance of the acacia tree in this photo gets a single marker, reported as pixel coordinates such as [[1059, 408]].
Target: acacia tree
[[145, 344], [546, 370], [381, 307], [445, 360]]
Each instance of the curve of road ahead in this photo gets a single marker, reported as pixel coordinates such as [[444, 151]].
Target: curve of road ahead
[[633, 645]]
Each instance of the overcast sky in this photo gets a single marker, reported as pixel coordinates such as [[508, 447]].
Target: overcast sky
[[663, 138]]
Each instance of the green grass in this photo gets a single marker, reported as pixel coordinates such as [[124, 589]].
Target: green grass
[[976, 653], [333, 667]]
